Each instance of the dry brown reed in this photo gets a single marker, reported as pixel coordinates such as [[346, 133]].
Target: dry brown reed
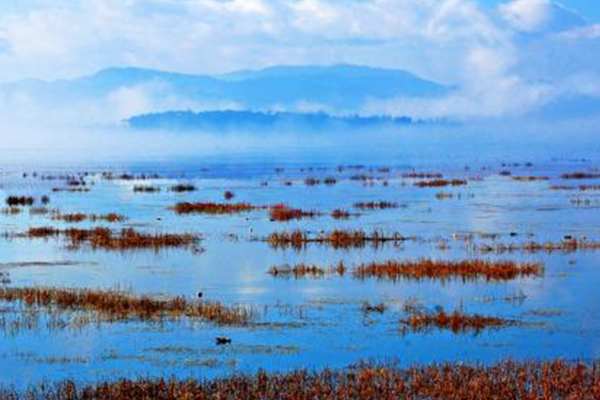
[[13, 201], [104, 238], [340, 214], [283, 213], [529, 178], [566, 245], [422, 175], [337, 239], [441, 269], [183, 188], [581, 175], [554, 379], [118, 305], [420, 320], [375, 205], [80, 217], [302, 271], [212, 208], [441, 183], [146, 189]]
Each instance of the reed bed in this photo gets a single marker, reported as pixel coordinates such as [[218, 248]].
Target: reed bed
[[302, 271], [337, 239], [340, 214], [375, 205], [420, 320], [12, 210], [529, 178], [368, 308], [111, 306], [14, 201], [212, 208], [283, 213], [80, 217], [566, 245], [180, 188], [581, 175], [422, 175], [104, 238], [72, 189], [111, 176], [440, 269], [146, 189], [554, 379], [441, 183]]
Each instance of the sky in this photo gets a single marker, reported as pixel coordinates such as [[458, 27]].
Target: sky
[[505, 56]]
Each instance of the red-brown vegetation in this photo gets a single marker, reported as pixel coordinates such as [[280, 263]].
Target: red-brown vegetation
[[438, 269], [337, 239], [581, 175], [13, 201], [117, 305], [301, 271], [420, 320], [441, 183], [375, 205], [283, 213], [212, 208], [554, 379]]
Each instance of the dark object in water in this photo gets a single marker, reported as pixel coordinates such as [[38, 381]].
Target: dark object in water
[[199, 295], [222, 340]]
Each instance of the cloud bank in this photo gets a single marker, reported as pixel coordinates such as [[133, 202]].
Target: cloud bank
[[508, 61]]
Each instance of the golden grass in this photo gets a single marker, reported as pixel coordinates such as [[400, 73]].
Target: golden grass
[[118, 305], [337, 239], [439, 269], [212, 208], [554, 379]]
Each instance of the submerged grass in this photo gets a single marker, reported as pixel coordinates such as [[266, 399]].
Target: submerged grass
[[80, 217], [439, 269], [555, 379], [338, 239], [104, 238], [375, 205], [441, 183], [301, 271], [118, 305], [212, 208], [565, 245], [420, 320], [284, 213]]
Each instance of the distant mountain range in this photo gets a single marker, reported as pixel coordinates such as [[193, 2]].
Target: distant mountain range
[[233, 120], [339, 87]]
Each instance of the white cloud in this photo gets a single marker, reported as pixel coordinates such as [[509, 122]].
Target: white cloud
[[539, 15], [535, 51]]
